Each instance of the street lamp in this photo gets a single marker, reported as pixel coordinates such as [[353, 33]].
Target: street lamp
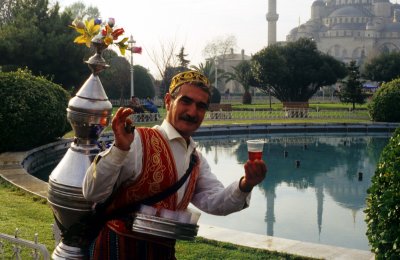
[[131, 43], [216, 72]]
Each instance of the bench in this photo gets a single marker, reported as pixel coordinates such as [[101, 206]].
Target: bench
[[220, 111], [296, 109]]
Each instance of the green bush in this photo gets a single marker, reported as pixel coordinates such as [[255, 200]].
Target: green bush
[[385, 105], [32, 111], [383, 203]]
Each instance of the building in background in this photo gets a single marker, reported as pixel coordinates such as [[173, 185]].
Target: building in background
[[345, 29], [272, 18], [226, 62], [352, 29]]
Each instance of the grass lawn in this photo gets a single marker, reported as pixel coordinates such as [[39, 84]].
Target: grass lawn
[[32, 215], [276, 106]]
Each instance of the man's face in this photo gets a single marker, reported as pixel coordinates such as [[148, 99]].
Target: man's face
[[186, 112]]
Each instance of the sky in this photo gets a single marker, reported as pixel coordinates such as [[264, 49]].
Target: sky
[[195, 23]]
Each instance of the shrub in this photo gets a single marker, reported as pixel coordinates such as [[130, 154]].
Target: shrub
[[385, 105], [383, 203], [32, 111]]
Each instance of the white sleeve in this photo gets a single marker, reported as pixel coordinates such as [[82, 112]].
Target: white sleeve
[[110, 169], [212, 197]]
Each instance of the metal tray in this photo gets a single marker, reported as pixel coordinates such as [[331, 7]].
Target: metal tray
[[163, 227]]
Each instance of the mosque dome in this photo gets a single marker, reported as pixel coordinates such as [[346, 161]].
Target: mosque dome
[[353, 25], [293, 31], [318, 3], [348, 26], [323, 28], [302, 28], [347, 11]]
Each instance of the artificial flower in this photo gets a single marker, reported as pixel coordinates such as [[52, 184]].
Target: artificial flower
[[117, 32], [111, 22], [122, 45], [90, 32], [135, 49]]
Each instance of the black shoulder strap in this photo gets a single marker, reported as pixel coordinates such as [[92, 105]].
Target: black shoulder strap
[[89, 226], [117, 213]]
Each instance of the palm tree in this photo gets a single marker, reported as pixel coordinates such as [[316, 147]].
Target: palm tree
[[208, 70], [242, 74]]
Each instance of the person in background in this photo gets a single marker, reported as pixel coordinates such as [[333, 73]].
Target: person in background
[[134, 103], [145, 161], [151, 107]]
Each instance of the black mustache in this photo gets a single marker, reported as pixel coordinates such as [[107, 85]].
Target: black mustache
[[188, 118]]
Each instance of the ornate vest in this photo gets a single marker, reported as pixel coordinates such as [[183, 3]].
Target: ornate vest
[[158, 173]]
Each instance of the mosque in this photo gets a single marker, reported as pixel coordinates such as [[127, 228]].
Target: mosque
[[346, 29]]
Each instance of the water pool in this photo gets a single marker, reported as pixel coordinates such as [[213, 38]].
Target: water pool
[[314, 191]]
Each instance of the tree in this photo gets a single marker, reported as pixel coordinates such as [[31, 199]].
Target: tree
[[208, 70], [82, 12], [35, 37], [296, 71], [352, 89], [385, 104], [116, 78], [33, 111], [6, 11], [182, 61], [166, 62], [383, 200], [144, 86], [168, 74], [219, 47], [384, 67], [242, 74]]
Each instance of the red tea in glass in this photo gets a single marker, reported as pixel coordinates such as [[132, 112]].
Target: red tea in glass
[[255, 149], [255, 156]]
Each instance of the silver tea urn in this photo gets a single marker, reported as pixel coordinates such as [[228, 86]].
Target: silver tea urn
[[89, 113]]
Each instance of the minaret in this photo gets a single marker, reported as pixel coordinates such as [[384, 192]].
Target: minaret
[[272, 18]]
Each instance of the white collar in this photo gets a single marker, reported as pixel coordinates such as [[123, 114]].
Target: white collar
[[171, 134]]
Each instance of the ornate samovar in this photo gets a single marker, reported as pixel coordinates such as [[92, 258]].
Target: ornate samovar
[[89, 113]]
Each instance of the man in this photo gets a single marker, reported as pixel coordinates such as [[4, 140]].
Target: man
[[146, 161]]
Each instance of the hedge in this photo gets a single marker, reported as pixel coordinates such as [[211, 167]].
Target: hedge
[[383, 203], [385, 105], [32, 111]]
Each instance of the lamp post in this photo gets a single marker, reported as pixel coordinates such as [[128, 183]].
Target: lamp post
[[269, 92], [131, 43], [216, 72]]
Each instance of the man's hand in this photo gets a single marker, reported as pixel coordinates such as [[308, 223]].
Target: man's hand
[[122, 138], [254, 173]]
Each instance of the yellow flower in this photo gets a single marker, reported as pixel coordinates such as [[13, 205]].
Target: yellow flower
[[90, 31], [108, 40], [87, 31], [122, 46]]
